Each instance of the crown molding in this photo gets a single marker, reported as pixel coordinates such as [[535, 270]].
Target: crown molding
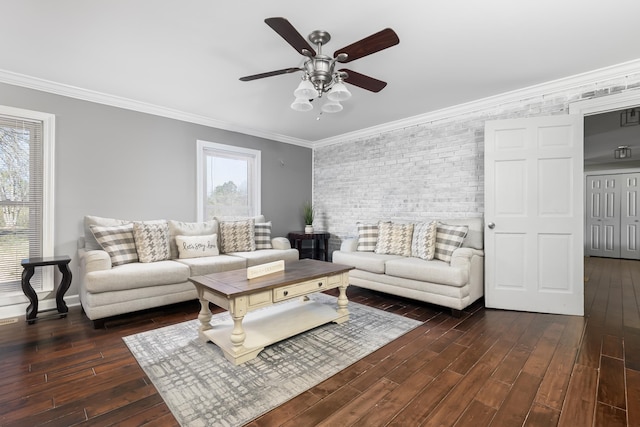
[[30, 82], [449, 113]]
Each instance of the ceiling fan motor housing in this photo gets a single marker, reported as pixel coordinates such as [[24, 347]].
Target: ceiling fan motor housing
[[320, 71]]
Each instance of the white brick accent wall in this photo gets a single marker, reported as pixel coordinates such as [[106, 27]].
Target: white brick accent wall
[[426, 171]]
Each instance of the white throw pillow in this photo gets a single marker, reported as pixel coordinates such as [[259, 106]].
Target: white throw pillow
[[180, 228], [197, 246]]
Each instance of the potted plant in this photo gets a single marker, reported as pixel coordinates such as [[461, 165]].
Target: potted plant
[[308, 214]]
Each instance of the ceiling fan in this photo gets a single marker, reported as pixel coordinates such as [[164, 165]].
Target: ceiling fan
[[320, 76]]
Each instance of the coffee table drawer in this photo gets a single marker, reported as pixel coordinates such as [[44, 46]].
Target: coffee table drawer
[[300, 289]]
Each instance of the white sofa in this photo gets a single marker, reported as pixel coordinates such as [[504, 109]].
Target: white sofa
[[455, 284], [107, 290]]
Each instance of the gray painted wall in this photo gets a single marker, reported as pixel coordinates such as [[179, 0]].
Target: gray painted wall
[[119, 163]]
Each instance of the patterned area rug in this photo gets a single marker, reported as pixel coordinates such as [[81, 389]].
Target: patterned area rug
[[202, 388]]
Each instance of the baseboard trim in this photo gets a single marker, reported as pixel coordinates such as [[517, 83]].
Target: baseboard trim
[[20, 309]]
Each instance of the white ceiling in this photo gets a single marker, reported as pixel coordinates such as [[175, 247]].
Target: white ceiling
[[188, 55]]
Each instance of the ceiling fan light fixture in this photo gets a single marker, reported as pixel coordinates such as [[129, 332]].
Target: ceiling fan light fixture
[[301, 104], [339, 92], [332, 107], [305, 90]]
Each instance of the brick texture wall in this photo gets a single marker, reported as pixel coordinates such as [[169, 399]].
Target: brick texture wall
[[426, 171]]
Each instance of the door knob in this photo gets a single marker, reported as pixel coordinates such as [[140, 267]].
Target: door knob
[[491, 225]]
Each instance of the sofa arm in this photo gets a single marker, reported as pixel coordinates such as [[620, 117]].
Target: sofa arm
[[461, 257], [280, 243], [349, 245], [94, 260]]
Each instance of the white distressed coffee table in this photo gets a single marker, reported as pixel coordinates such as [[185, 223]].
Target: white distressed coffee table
[[281, 296]]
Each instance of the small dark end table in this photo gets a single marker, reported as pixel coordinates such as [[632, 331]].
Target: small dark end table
[[297, 237], [29, 266]]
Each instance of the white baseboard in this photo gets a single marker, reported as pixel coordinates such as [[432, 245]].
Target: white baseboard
[[20, 309]]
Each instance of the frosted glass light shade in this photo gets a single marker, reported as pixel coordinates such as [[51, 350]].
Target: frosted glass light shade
[[332, 107], [339, 92], [301, 104], [305, 90]]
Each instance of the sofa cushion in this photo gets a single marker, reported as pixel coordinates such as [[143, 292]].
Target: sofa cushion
[[266, 255], [394, 239], [237, 236], [179, 228], [90, 242], [117, 241], [434, 271], [475, 235], [263, 235], [423, 244], [448, 239], [367, 261], [212, 264], [197, 246], [367, 237], [136, 275], [152, 240]]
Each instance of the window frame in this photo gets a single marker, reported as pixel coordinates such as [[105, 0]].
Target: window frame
[[48, 197], [254, 183]]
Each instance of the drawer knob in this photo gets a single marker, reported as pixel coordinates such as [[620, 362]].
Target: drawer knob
[[319, 284], [286, 293]]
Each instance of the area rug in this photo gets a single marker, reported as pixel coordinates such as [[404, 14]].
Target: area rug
[[202, 388]]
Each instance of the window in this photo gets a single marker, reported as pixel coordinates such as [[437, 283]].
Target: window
[[228, 181], [26, 197]]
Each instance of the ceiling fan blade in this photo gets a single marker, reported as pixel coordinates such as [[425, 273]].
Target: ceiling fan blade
[[269, 74], [291, 35], [365, 82], [368, 45]]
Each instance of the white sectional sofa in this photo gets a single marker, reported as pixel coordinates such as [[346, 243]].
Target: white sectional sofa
[[152, 276], [454, 283]]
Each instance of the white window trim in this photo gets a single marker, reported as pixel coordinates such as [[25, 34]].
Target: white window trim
[[48, 205], [201, 189]]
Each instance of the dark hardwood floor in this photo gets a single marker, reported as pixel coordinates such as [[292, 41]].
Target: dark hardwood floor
[[489, 367]]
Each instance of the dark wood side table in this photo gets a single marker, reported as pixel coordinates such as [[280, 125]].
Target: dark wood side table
[[29, 266], [297, 237]]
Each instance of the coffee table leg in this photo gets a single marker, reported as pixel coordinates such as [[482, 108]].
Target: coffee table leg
[[342, 305], [204, 317], [237, 334]]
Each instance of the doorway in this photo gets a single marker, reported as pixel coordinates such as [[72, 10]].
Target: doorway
[[612, 225]]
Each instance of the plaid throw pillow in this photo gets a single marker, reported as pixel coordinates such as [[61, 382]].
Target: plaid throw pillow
[[152, 240], [263, 235], [423, 244], [448, 239], [367, 237], [394, 239], [118, 242], [237, 236]]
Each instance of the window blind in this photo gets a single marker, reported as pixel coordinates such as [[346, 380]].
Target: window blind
[[21, 199]]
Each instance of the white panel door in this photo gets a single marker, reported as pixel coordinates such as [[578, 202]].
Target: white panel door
[[603, 216], [629, 216], [534, 214]]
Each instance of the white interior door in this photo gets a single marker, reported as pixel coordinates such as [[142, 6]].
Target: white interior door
[[603, 216], [630, 216], [534, 214]]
